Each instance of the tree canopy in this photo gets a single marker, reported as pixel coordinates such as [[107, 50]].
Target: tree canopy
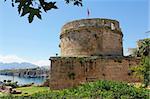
[[143, 69], [36, 7], [143, 48]]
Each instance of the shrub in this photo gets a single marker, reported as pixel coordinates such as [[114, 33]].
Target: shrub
[[143, 70], [93, 90]]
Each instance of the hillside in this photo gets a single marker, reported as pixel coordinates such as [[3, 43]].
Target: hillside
[[16, 65]]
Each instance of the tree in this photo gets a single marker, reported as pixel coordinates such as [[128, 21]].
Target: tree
[[144, 47], [36, 7], [143, 69]]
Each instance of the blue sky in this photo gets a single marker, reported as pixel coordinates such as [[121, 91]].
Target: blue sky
[[36, 42]]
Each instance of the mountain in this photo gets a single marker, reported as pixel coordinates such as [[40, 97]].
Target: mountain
[[16, 65]]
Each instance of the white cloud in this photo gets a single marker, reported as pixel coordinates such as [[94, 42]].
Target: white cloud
[[42, 62], [10, 59], [14, 58]]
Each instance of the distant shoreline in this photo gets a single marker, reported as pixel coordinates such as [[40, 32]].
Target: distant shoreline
[[27, 73]]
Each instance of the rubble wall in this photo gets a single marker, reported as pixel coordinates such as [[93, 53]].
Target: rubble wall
[[72, 71]]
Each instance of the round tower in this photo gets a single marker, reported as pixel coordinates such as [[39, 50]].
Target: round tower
[[91, 37]]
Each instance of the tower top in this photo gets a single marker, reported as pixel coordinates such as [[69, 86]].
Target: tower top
[[92, 22]]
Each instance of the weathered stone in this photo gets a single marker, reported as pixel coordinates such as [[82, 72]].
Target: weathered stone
[[90, 37], [100, 68], [91, 49]]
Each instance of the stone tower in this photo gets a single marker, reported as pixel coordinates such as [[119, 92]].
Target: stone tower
[[91, 49], [91, 37]]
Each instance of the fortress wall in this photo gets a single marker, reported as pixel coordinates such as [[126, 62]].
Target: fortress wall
[[72, 71]]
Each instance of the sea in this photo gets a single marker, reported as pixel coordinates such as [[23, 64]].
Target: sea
[[23, 80]]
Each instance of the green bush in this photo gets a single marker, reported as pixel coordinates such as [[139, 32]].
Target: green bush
[[143, 70], [100, 89]]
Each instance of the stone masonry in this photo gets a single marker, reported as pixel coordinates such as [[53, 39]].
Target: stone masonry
[[91, 49], [90, 37]]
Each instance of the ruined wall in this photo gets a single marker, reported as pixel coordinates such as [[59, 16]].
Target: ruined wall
[[72, 71], [91, 37]]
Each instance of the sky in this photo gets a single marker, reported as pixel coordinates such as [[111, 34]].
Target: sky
[[38, 41]]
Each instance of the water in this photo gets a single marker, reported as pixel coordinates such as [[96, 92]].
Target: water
[[22, 80]]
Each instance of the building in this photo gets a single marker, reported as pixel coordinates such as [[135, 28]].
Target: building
[[91, 49]]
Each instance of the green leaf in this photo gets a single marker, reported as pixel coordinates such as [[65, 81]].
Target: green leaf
[[39, 16], [49, 6], [34, 12], [25, 10], [30, 17], [21, 5]]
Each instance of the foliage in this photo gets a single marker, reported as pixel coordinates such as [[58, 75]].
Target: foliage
[[10, 83], [144, 47], [143, 70], [94, 90], [36, 7]]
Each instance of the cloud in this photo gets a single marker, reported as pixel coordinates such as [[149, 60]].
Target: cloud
[[11, 58], [42, 62], [14, 58]]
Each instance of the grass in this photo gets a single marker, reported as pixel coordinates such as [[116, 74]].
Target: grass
[[31, 90], [2, 94], [27, 91]]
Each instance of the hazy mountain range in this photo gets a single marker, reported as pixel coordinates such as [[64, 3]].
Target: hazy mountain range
[[16, 65]]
